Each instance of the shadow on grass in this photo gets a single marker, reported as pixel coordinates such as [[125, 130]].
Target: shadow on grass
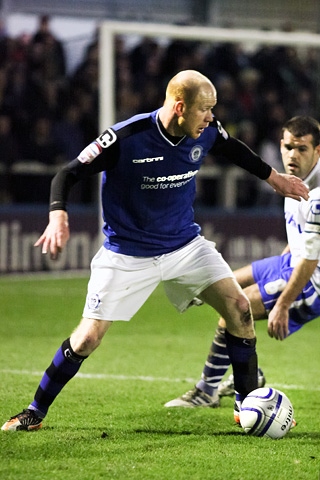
[[103, 433], [187, 432], [290, 436]]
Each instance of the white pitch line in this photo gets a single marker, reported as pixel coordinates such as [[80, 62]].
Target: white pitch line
[[105, 376]]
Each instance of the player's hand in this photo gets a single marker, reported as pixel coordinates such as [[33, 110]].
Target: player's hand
[[278, 323], [56, 235], [288, 185]]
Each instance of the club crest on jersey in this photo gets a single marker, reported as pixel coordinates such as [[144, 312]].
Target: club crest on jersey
[[107, 138], [196, 153], [93, 301]]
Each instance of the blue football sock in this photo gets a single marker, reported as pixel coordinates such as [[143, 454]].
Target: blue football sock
[[64, 366], [243, 356]]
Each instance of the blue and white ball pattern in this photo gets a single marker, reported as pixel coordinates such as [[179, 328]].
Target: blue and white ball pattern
[[266, 412]]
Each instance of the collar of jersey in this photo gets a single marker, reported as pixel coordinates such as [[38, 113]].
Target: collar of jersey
[[167, 135]]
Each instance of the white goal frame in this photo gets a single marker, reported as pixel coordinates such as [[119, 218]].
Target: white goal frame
[[109, 29]]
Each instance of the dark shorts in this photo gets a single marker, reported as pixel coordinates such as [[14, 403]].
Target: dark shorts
[[271, 274]]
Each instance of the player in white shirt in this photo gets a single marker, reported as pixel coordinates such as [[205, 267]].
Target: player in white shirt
[[285, 288]]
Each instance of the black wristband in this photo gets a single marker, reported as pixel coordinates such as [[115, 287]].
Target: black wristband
[[56, 205]]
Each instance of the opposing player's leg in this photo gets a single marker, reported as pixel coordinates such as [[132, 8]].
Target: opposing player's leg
[[64, 366], [244, 276], [205, 393]]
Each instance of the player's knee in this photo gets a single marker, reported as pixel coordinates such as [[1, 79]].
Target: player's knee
[[245, 309]]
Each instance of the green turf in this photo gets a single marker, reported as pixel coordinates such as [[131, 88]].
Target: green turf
[[110, 423]]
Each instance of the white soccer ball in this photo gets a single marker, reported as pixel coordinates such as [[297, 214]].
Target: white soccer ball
[[266, 412]]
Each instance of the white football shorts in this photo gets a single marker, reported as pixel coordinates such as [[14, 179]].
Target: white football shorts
[[120, 284]]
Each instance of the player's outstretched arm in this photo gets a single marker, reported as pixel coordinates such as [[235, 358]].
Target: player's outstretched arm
[[56, 235], [279, 315], [288, 185]]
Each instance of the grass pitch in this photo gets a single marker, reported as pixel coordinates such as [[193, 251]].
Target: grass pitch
[[109, 422]]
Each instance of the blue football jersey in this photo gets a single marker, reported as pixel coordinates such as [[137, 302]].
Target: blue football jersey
[[149, 181], [148, 196]]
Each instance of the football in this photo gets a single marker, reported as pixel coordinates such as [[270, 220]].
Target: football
[[266, 412]]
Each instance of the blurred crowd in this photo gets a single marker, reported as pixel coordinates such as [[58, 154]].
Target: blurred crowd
[[47, 115]]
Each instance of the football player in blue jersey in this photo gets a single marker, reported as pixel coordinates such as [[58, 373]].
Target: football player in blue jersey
[[149, 164], [285, 288]]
